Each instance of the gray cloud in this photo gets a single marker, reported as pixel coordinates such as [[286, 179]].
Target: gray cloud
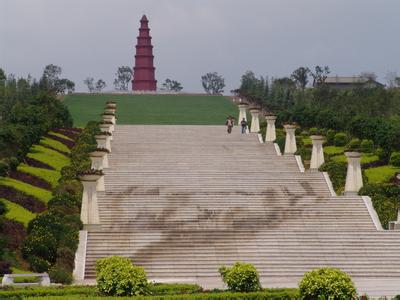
[[190, 38]]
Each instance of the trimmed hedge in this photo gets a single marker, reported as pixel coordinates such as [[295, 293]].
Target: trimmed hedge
[[241, 277], [34, 191], [117, 276], [53, 235], [70, 294], [327, 283]]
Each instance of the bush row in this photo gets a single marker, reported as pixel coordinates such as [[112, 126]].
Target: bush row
[[157, 291], [53, 236]]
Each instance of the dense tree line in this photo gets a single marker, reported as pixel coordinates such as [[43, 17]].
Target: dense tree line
[[367, 113], [28, 109]]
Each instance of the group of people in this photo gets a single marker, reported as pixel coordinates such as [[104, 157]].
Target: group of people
[[230, 122]]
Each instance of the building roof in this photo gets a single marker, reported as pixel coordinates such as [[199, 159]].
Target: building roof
[[144, 18], [348, 80]]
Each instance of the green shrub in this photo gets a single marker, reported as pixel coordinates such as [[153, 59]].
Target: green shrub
[[327, 283], [40, 243], [116, 276], [383, 154], [340, 139], [367, 146], [353, 145], [38, 264], [60, 274], [3, 208], [337, 172], [241, 277], [330, 137], [304, 133], [313, 131], [305, 153], [395, 159], [13, 163], [4, 168]]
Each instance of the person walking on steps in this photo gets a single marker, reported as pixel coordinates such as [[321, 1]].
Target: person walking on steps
[[229, 124], [243, 123]]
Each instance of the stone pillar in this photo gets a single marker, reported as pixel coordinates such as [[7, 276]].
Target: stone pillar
[[290, 142], [255, 122], [271, 132], [110, 118], [317, 156], [90, 209], [97, 158], [242, 112], [103, 141], [106, 128], [354, 180]]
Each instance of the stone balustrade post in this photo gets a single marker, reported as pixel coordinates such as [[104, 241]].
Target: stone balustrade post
[[317, 155], [97, 158], [270, 135], [255, 121], [106, 128], [90, 209], [103, 141], [110, 118], [290, 141], [354, 181], [242, 112]]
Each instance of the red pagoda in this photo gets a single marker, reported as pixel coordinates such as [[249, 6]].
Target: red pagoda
[[143, 72]]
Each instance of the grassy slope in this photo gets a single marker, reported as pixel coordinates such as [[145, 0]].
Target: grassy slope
[[381, 174], [54, 144], [48, 156], [51, 176], [60, 135], [39, 193], [153, 109], [17, 212]]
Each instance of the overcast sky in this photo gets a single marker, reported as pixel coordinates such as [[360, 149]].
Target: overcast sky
[[192, 37]]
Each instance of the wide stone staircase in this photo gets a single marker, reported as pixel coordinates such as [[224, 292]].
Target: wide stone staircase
[[181, 201]]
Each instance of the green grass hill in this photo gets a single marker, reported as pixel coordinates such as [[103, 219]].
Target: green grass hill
[[153, 109]]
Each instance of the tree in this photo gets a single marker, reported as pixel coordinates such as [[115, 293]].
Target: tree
[[172, 85], [100, 84], [52, 82], [300, 76], [369, 75], [213, 83], [124, 76], [391, 79], [89, 83], [67, 85], [320, 74]]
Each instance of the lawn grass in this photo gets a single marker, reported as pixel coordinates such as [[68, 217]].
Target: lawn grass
[[365, 158], [54, 144], [51, 176], [17, 212], [333, 150], [381, 174], [153, 109], [40, 194], [48, 156], [60, 135]]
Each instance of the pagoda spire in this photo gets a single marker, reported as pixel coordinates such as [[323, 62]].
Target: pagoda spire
[[144, 70]]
